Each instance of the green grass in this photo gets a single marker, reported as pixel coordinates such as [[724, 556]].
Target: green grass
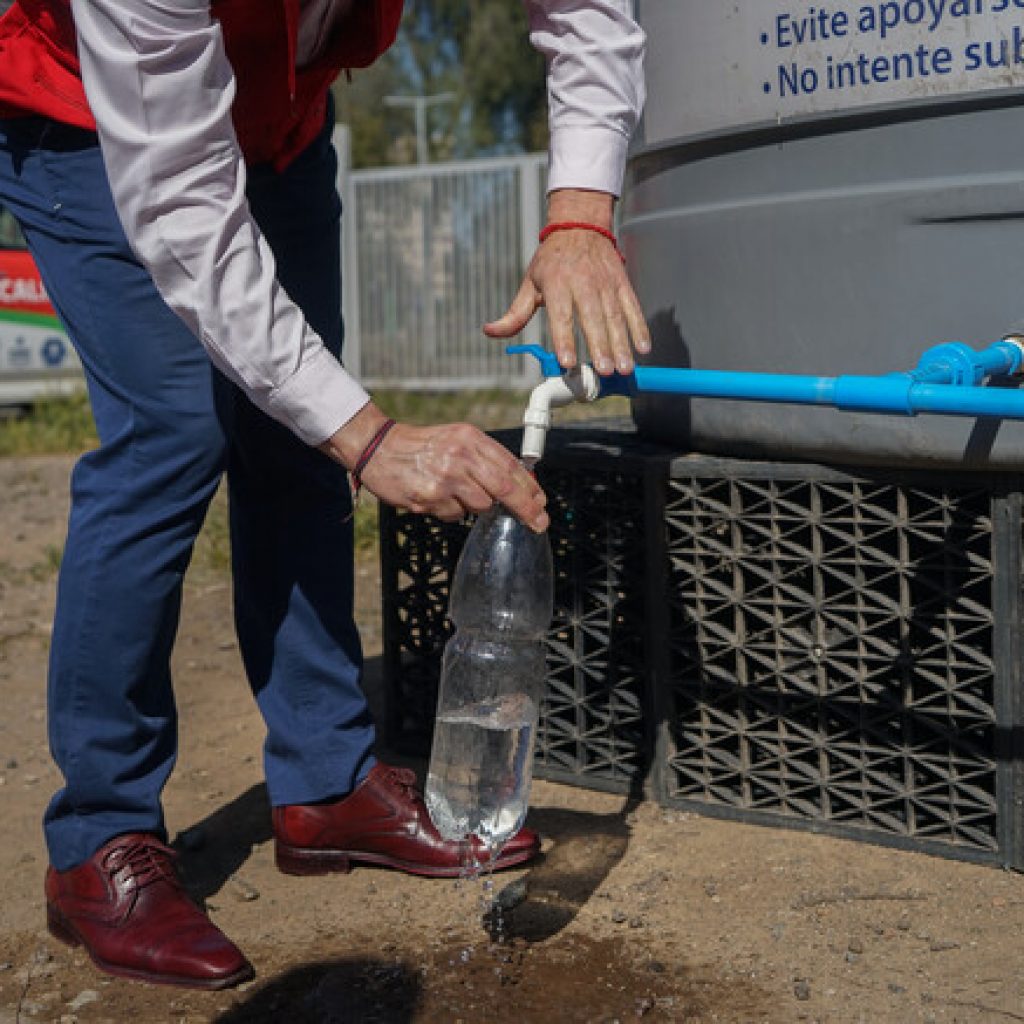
[[64, 426], [50, 564], [487, 409], [53, 426], [211, 556]]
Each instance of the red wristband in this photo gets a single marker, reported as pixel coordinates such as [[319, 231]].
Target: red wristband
[[580, 225], [368, 452]]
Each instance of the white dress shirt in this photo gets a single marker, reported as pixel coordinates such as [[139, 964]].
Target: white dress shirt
[[160, 87]]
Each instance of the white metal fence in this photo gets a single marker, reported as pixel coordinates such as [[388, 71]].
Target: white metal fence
[[431, 253]]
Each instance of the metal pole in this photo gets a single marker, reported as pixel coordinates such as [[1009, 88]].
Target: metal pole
[[419, 105]]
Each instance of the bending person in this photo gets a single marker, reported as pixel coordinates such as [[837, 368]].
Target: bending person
[[171, 167]]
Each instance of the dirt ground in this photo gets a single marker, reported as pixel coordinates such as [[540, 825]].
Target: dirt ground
[[635, 913]]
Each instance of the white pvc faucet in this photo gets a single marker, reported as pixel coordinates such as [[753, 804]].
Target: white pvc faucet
[[580, 384]]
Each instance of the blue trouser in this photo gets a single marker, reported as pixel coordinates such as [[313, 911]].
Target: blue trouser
[[169, 426]]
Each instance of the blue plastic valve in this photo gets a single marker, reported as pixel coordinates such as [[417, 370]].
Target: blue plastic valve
[[548, 360]]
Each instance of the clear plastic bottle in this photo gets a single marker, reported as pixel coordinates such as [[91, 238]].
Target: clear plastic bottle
[[492, 682]]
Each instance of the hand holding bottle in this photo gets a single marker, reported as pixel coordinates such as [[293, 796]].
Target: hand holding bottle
[[447, 471]]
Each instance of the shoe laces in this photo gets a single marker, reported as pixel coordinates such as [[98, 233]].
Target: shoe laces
[[142, 862]]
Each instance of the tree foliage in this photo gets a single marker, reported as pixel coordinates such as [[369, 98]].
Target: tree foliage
[[477, 50]]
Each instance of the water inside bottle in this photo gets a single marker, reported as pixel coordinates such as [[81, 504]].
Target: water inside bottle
[[485, 753]]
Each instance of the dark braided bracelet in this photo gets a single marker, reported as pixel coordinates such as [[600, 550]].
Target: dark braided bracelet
[[368, 453]]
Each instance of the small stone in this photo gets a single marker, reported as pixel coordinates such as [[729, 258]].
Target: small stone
[[47, 970], [84, 998], [942, 945], [851, 958], [802, 990], [618, 917], [11, 764], [636, 922], [856, 946], [903, 924], [896, 989], [243, 889]]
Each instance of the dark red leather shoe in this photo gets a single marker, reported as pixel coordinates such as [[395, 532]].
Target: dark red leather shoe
[[383, 822], [127, 906]]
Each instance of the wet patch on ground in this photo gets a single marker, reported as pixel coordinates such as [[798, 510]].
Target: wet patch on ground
[[572, 979], [590, 981]]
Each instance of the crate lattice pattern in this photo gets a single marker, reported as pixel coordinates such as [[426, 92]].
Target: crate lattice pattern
[[831, 653], [423, 553], [592, 721]]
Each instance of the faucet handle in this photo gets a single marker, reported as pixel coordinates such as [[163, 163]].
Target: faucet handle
[[548, 360]]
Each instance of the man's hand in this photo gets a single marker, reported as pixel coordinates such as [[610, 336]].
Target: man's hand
[[578, 275], [446, 471]]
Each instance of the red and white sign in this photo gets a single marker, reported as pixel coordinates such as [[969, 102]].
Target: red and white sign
[[21, 287], [35, 354]]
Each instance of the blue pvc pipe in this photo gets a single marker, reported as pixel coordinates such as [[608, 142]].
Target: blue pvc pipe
[[947, 380]]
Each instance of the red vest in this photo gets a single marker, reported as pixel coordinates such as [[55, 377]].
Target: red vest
[[277, 109]]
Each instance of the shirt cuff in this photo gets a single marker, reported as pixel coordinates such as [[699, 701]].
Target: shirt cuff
[[587, 158], [318, 399]]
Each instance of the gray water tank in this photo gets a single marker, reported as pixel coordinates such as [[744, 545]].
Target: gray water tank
[[828, 190]]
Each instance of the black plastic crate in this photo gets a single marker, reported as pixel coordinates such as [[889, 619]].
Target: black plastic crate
[[843, 653], [788, 644]]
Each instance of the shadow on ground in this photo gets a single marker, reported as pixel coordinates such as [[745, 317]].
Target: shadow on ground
[[534, 969], [212, 850], [356, 991], [582, 849]]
